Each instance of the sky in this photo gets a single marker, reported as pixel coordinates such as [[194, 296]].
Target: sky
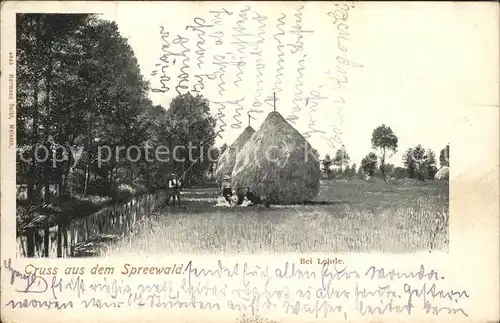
[[346, 68]]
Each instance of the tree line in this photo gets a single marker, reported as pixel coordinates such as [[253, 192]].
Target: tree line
[[79, 89], [419, 163]]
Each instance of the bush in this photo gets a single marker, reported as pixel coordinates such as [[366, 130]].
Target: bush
[[76, 180], [100, 186], [123, 193], [401, 172]]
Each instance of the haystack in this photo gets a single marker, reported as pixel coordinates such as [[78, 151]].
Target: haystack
[[443, 173], [227, 160], [289, 173]]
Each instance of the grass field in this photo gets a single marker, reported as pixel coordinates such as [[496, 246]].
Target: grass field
[[402, 216]]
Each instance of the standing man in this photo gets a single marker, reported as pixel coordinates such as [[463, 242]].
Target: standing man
[[226, 188], [175, 186]]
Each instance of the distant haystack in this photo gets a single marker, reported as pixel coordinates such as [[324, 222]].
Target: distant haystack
[[443, 173], [227, 160], [275, 163]]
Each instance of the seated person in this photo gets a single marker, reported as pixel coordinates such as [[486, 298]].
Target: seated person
[[241, 196], [246, 202], [252, 197], [221, 201], [226, 188], [234, 199], [266, 202]]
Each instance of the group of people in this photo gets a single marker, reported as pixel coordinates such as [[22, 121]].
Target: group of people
[[229, 197]]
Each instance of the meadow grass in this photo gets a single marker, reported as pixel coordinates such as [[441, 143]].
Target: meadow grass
[[396, 217]]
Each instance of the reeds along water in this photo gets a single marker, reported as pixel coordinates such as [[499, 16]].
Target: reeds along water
[[80, 237]]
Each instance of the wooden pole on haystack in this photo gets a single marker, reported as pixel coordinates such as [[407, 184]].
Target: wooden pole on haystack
[[249, 117], [274, 96]]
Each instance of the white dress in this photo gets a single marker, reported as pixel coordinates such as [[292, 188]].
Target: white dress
[[234, 200], [221, 201]]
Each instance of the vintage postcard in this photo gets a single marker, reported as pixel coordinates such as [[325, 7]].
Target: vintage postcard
[[249, 161]]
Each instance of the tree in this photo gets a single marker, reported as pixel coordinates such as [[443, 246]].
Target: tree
[[444, 156], [360, 173], [326, 166], [341, 158], [192, 125], [41, 47], [117, 96], [386, 142], [400, 172], [352, 171], [409, 162], [79, 87], [369, 163], [159, 134], [419, 162], [431, 163], [389, 169], [349, 171]]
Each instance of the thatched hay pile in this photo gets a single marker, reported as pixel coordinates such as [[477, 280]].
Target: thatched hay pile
[[443, 173], [286, 175], [227, 160]]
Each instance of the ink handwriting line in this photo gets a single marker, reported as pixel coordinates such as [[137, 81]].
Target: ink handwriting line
[[279, 73], [252, 290], [260, 66]]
